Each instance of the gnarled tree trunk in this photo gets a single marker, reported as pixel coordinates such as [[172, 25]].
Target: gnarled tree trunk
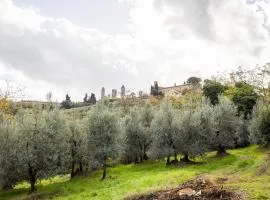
[[32, 178], [185, 158], [81, 168], [104, 168], [168, 160], [175, 156], [7, 187], [72, 169], [221, 151]]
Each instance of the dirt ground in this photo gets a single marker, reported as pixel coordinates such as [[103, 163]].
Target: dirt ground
[[198, 189]]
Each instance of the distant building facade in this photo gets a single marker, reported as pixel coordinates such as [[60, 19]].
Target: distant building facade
[[123, 91], [175, 90], [102, 92], [114, 93], [140, 94]]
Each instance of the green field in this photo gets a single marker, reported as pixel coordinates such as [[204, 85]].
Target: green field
[[245, 169]]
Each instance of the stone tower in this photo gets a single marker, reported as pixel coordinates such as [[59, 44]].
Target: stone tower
[[155, 84], [102, 92], [114, 93], [140, 93], [123, 91]]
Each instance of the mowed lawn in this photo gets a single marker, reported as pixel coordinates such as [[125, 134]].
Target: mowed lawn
[[244, 168]]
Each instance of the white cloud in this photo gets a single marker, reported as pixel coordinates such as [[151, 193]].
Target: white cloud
[[168, 41], [201, 37], [58, 52]]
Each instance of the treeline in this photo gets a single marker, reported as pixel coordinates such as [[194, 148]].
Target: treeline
[[40, 143], [87, 101]]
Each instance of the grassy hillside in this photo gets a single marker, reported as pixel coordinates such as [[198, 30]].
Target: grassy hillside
[[245, 169]]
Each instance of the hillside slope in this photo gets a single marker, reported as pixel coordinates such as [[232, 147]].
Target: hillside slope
[[245, 169]]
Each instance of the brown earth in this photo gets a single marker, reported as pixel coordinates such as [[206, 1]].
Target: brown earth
[[198, 189]]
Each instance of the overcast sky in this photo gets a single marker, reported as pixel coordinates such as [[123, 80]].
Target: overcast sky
[[67, 46]]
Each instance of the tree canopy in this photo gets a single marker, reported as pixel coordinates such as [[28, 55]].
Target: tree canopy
[[244, 97], [212, 89], [194, 80]]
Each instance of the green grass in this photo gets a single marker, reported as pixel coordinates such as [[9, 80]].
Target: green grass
[[240, 168]]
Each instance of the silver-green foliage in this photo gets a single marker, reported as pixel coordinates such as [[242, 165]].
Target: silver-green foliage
[[146, 116], [43, 149], [102, 130], [164, 130], [205, 113], [78, 146], [225, 124], [260, 124], [132, 138], [10, 172], [189, 138], [136, 134]]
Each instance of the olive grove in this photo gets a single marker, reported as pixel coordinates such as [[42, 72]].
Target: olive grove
[[38, 143]]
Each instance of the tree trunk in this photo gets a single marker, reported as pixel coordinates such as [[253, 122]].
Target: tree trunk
[[175, 156], [168, 160], [32, 178], [33, 183], [221, 151], [73, 172], [7, 187], [72, 169], [81, 168], [186, 159], [145, 157], [136, 159], [104, 169]]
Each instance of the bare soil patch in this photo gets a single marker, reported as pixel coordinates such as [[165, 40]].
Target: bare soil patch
[[198, 189]]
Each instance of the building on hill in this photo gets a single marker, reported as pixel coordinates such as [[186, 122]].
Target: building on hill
[[114, 93], [123, 91], [175, 90], [102, 92], [140, 93]]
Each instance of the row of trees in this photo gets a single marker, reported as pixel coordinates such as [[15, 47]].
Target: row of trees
[[39, 143], [67, 103], [189, 132]]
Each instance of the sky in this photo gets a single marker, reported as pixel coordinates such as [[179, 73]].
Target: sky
[[78, 47]]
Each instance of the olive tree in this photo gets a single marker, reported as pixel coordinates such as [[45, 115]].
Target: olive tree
[[206, 123], [102, 130], [163, 128], [42, 143], [260, 124], [78, 147], [190, 140], [225, 126], [146, 116], [133, 138], [10, 172], [243, 136]]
